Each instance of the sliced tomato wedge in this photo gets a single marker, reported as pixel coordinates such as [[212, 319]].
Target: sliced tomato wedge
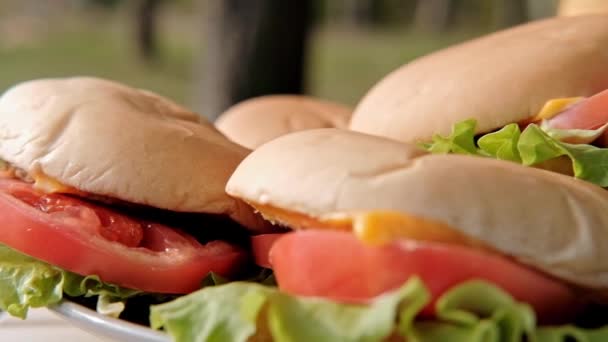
[[591, 113], [261, 245], [92, 240], [336, 265]]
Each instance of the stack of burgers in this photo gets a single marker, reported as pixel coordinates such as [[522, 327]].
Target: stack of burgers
[[463, 201]]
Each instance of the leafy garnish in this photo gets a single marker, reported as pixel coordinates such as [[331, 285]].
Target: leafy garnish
[[474, 311], [26, 282], [531, 146]]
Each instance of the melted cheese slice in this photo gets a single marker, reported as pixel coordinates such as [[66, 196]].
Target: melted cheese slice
[[379, 227], [374, 227], [39, 180], [50, 185], [554, 107]]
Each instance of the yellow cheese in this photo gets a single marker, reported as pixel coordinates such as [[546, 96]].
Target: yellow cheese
[[373, 227], [50, 185], [378, 227], [554, 107], [39, 180], [294, 220]]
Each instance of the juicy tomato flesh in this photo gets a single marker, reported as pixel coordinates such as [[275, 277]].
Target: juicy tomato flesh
[[336, 265], [88, 239], [112, 226], [591, 113], [261, 245]]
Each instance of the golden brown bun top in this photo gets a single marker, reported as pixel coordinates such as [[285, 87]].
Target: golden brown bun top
[[554, 222], [253, 122], [108, 139], [498, 79]]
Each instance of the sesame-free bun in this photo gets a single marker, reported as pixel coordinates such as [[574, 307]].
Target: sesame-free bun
[[255, 121], [553, 222], [111, 140], [498, 79]]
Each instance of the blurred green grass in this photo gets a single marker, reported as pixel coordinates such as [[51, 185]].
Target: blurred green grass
[[344, 63], [97, 53]]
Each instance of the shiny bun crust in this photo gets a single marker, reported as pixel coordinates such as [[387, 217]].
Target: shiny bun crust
[[256, 121], [553, 222], [498, 79], [111, 140]]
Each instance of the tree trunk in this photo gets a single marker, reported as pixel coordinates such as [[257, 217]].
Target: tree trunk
[[432, 15], [253, 48], [147, 36], [363, 12], [508, 13]]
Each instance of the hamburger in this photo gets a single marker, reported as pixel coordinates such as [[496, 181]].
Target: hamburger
[[543, 110], [428, 224], [253, 122], [501, 78], [112, 191], [392, 242]]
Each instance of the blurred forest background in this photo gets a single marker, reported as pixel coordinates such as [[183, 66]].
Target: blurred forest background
[[200, 52]]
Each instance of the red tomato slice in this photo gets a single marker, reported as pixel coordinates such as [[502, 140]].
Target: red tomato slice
[[338, 266], [261, 245], [92, 240], [591, 113]]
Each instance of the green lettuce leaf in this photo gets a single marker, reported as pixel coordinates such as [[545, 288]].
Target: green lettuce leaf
[[26, 282], [475, 311], [234, 311], [531, 147], [264, 276], [502, 144], [460, 141], [217, 313]]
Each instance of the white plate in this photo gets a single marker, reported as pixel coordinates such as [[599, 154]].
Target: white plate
[[115, 329], [42, 325]]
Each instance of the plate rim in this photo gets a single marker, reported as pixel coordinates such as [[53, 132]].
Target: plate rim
[[98, 324]]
